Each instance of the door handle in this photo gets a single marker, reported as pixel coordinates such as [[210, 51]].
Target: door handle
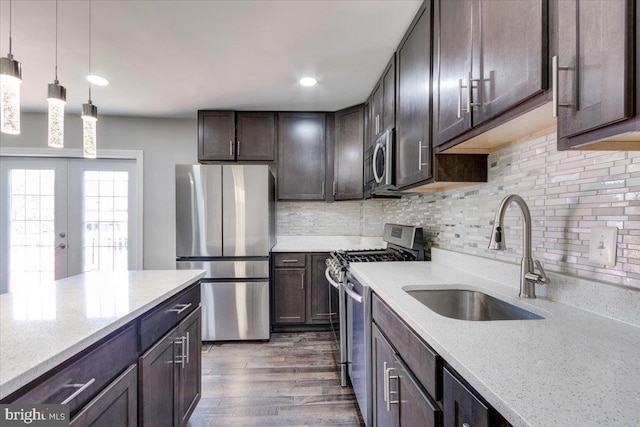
[[555, 70], [231, 148]]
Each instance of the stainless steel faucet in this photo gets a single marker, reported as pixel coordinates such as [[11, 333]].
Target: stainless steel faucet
[[528, 276]]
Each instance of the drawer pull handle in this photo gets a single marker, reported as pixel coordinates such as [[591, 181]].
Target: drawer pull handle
[[466, 425], [388, 378], [183, 357], [180, 309], [80, 389], [289, 261], [187, 345]]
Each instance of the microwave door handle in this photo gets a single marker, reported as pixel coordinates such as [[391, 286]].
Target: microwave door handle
[[353, 295], [375, 159]]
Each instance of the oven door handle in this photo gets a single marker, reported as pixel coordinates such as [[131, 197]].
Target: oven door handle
[[330, 279], [353, 295]]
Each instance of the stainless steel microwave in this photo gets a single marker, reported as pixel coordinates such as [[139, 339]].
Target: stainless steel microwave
[[382, 163]]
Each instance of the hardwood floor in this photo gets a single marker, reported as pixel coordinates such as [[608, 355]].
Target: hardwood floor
[[292, 380]]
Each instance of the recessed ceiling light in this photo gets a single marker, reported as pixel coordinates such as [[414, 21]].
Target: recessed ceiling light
[[97, 80], [308, 81]]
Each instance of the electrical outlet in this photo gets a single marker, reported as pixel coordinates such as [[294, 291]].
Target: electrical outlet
[[603, 246]]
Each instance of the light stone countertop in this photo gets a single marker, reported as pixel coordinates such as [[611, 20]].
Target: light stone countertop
[[326, 243], [571, 368], [46, 325]]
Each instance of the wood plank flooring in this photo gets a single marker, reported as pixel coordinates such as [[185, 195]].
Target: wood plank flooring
[[292, 380]]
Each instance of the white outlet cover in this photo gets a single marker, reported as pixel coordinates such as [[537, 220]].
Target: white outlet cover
[[603, 246]]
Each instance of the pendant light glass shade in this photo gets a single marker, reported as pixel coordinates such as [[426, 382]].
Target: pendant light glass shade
[[57, 99], [89, 121], [10, 80]]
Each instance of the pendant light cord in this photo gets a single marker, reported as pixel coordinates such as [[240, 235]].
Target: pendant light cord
[[56, 79], [89, 50], [10, 28]]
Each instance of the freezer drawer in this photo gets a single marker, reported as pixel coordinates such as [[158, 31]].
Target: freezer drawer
[[253, 269], [235, 311]]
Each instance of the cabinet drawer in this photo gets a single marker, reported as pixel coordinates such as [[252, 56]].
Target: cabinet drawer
[[425, 363], [461, 406], [157, 322], [83, 378], [289, 260]]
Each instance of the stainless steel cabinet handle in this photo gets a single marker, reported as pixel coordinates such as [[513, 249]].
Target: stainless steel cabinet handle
[[238, 147], [181, 358], [322, 188], [390, 377], [289, 261], [385, 384], [335, 186], [179, 308], [80, 389], [231, 148], [188, 344], [465, 425], [460, 87], [555, 69], [469, 93]]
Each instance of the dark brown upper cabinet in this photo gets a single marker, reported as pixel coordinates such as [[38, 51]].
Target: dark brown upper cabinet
[[301, 156], [413, 102], [597, 73], [492, 56], [216, 136], [236, 136], [382, 103], [256, 136], [348, 178]]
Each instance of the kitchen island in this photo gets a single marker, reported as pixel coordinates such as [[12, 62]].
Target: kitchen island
[[88, 323], [571, 367]]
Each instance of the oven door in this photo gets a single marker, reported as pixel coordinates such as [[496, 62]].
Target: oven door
[[359, 344]]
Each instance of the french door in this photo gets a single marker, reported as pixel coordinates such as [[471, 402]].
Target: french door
[[62, 217]]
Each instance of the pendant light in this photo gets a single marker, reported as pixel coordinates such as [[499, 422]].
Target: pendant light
[[10, 79], [57, 98], [89, 115]]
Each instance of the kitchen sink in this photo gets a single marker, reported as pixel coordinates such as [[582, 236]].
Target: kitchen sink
[[469, 305]]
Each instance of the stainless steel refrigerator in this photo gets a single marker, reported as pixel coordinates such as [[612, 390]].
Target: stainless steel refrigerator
[[225, 224]]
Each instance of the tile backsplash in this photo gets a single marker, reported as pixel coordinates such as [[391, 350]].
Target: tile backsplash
[[358, 218], [568, 193]]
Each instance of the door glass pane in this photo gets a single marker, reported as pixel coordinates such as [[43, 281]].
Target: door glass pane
[[105, 220], [31, 241]]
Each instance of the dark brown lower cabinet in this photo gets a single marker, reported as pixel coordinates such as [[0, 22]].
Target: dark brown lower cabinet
[[116, 405], [461, 407], [189, 378], [289, 296], [170, 375], [399, 399]]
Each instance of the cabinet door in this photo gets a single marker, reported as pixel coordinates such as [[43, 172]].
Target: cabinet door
[[377, 97], [461, 407], [416, 408], [514, 52], [389, 96], [189, 367], [116, 405], [216, 135], [348, 160], [289, 302], [256, 136], [158, 383], [301, 156], [413, 142], [455, 44], [324, 302], [385, 398], [595, 55]]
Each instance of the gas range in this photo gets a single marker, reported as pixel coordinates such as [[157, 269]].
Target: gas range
[[404, 243]]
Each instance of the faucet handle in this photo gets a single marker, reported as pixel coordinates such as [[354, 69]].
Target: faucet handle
[[543, 279]]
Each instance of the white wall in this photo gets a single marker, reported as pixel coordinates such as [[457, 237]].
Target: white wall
[[164, 143]]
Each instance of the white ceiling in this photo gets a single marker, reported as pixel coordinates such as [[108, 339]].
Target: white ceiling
[[170, 58]]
